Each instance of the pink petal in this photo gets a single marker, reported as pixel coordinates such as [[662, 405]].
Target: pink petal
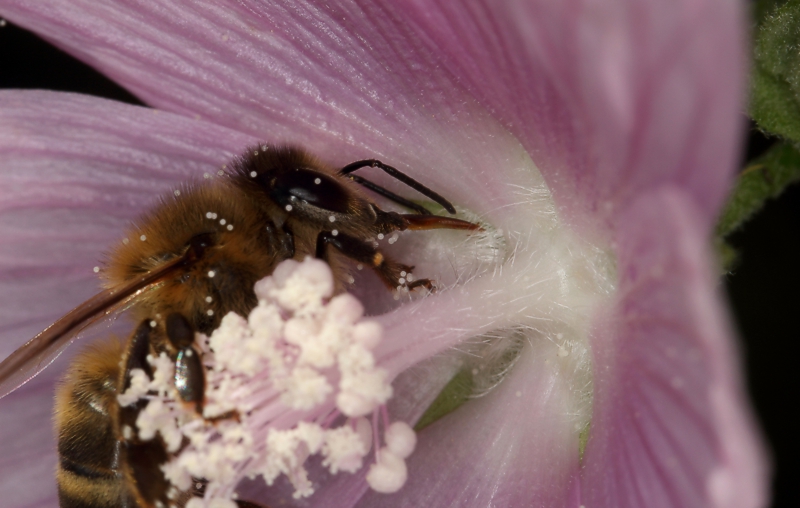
[[670, 427], [28, 458], [345, 80], [610, 98], [516, 446], [75, 171]]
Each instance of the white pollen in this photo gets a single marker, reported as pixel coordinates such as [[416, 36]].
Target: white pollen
[[562, 352], [222, 222], [335, 232], [360, 266], [211, 273], [253, 174], [209, 215], [401, 280], [176, 192], [332, 218], [246, 355], [380, 236], [126, 241], [317, 181], [153, 324], [403, 273], [96, 269], [213, 215], [255, 152], [230, 227], [288, 208], [392, 240], [220, 172], [206, 175], [143, 237]]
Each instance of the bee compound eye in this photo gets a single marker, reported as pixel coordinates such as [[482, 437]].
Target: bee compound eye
[[311, 187], [179, 331]]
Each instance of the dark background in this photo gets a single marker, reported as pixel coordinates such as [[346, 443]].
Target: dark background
[[762, 288]]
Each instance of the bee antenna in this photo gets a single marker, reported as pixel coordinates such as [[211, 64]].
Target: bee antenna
[[399, 176]]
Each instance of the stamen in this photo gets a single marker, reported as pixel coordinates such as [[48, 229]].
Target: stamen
[[294, 379]]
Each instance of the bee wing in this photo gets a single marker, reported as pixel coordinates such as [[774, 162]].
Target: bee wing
[[39, 352]]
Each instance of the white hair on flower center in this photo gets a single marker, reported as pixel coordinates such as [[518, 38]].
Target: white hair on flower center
[[276, 384]]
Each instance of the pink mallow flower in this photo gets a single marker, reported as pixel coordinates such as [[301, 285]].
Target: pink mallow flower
[[595, 141]]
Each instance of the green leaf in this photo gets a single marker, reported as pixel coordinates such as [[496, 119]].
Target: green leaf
[[763, 8], [775, 82], [457, 392], [765, 178]]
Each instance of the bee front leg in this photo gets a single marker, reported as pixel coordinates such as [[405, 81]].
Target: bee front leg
[[392, 273], [189, 372]]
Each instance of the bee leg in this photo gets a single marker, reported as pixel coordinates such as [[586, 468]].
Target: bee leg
[[141, 460], [399, 176], [249, 504], [392, 273], [281, 240], [189, 372]]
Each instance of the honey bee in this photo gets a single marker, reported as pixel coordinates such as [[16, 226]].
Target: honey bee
[[183, 266]]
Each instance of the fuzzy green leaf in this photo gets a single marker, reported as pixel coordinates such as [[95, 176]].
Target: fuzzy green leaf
[[765, 178], [775, 82]]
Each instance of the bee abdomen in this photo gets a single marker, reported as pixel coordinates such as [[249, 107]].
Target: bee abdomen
[[80, 486], [88, 471]]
